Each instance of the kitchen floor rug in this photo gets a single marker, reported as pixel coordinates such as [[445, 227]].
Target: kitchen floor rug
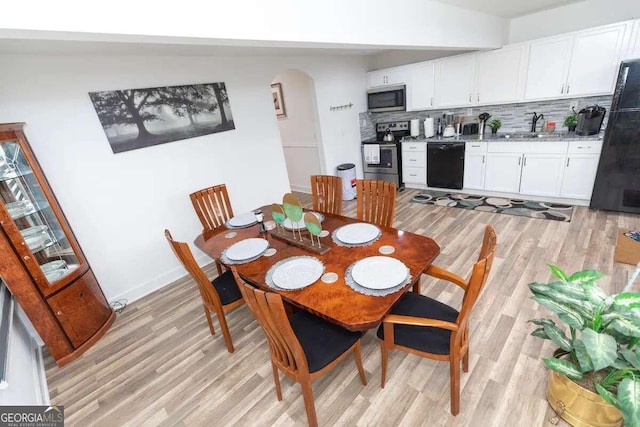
[[528, 208], [627, 247]]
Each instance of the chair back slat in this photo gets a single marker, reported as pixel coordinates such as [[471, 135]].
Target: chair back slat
[[208, 293], [326, 192], [268, 309], [376, 201], [479, 274], [212, 206]]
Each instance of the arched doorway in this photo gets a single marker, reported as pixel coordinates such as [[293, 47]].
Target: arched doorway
[[299, 129]]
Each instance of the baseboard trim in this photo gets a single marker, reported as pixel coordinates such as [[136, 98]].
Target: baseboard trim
[[158, 282]]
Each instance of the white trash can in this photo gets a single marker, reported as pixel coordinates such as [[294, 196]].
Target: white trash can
[[347, 171]]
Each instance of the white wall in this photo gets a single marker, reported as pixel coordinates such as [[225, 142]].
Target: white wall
[[298, 128], [119, 205], [572, 17], [425, 23]]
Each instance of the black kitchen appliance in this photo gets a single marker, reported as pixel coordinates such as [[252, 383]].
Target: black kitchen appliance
[[445, 164], [617, 185], [590, 120], [470, 129], [389, 167], [387, 98]]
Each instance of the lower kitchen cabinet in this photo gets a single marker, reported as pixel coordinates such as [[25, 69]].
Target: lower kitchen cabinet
[[579, 175], [503, 172], [414, 163], [475, 157], [542, 174]]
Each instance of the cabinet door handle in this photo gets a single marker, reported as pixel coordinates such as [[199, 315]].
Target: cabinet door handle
[[475, 146], [482, 159], [519, 160], [568, 158], [432, 101], [525, 161], [562, 90], [478, 96], [469, 97], [412, 160], [567, 87]]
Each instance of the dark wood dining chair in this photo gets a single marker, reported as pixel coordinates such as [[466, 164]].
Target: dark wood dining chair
[[376, 201], [304, 347], [420, 325], [326, 192], [213, 208], [218, 295]]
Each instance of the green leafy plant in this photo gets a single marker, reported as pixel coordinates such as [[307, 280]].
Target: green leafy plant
[[571, 120], [604, 332], [495, 124]]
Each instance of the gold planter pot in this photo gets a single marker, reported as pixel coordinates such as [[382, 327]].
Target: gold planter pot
[[578, 406]]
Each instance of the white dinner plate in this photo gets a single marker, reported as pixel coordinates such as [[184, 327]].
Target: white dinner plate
[[53, 265], [379, 272], [300, 224], [245, 249], [54, 275], [297, 272], [357, 233], [243, 220]]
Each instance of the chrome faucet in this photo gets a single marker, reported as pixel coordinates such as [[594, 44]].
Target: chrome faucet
[[534, 121]]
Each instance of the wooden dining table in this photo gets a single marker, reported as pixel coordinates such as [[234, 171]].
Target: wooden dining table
[[335, 302]]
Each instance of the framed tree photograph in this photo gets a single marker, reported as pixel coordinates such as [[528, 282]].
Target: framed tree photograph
[[278, 99], [138, 118]]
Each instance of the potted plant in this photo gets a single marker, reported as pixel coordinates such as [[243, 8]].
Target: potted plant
[[571, 121], [495, 125], [600, 353]]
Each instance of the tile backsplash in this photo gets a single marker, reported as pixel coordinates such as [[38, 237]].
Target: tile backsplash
[[513, 116]]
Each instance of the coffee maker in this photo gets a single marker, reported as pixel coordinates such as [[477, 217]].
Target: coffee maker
[[590, 120]]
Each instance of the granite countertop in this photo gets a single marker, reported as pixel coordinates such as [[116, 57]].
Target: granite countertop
[[502, 137]]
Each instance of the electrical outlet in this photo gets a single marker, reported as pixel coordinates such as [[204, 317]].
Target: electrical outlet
[[573, 105]]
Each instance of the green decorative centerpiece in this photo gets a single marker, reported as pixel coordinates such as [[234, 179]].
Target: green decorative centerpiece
[[600, 353], [299, 221], [571, 121], [278, 215], [495, 124]]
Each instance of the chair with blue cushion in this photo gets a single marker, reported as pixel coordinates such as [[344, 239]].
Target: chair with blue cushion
[[420, 325], [218, 295], [304, 347]]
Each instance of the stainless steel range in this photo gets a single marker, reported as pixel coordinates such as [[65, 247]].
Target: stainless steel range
[[387, 166]]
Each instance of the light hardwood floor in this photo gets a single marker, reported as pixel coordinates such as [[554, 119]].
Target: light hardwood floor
[[158, 365]]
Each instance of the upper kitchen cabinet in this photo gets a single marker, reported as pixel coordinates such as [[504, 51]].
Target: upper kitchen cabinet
[[501, 74], [388, 76], [594, 60], [547, 70], [633, 49], [579, 64], [421, 91], [455, 78]]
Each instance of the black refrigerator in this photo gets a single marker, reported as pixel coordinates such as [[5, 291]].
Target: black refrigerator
[[617, 185]]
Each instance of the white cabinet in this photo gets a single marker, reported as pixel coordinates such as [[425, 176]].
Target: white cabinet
[[389, 76], [633, 50], [577, 64], [455, 79], [501, 74], [475, 156], [548, 66], [542, 174], [503, 172], [414, 163], [421, 91], [580, 169], [594, 60]]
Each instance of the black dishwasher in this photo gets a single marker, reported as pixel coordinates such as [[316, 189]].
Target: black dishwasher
[[445, 164]]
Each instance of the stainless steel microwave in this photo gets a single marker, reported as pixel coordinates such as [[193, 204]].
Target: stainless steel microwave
[[388, 98]]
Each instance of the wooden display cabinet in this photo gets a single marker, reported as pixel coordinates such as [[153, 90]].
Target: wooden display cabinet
[[42, 263]]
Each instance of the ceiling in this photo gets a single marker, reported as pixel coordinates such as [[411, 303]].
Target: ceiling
[[508, 8]]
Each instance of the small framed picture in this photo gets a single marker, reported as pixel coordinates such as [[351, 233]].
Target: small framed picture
[[278, 99]]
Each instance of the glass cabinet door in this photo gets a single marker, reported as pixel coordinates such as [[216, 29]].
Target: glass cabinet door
[[23, 198]]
